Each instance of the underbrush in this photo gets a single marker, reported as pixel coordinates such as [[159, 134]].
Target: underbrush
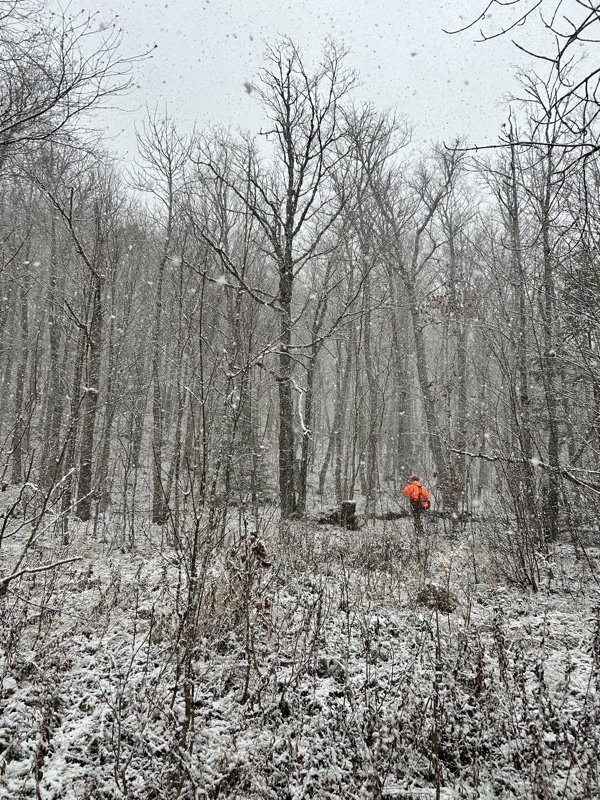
[[295, 660]]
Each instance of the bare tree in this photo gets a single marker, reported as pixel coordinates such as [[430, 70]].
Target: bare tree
[[573, 87], [293, 203], [54, 69], [91, 327], [408, 210], [164, 157]]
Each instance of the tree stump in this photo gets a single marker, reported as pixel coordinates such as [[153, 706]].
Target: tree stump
[[348, 514]]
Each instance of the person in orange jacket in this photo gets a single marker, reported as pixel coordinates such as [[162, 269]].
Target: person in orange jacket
[[419, 500]]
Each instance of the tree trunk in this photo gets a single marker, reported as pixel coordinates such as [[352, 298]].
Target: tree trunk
[[66, 464], [287, 488], [527, 499], [402, 455], [54, 400], [109, 416], [549, 371], [370, 466], [90, 402], [159, 500], [307, 431], [19, 426]]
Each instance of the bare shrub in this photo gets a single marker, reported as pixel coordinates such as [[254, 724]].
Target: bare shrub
[[439, 598]]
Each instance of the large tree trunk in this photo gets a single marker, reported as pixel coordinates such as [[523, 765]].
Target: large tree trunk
[[307, 431], [402, 450], [159, 500], [287, 487], [65, 465], [92, 388], [308, 416], [549, 370], [109, 416], [436, 436], [90, 403], [527, 509], [54, 402], [335, 445], [19, 426], [369, 462], [460, 330]]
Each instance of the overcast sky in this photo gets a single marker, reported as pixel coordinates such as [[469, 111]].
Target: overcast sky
[[447, 86]]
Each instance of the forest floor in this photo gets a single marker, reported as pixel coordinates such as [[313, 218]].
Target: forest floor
[[318, 663]]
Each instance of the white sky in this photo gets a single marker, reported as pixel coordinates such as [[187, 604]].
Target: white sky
[[446, 85]]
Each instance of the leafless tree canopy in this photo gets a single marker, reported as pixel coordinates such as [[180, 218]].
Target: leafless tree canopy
[[53, 69], [566, 83]]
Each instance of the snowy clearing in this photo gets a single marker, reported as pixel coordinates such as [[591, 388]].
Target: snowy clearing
[[354, 665]]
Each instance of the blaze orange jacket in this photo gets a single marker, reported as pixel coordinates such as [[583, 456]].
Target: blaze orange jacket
[[416, 491]]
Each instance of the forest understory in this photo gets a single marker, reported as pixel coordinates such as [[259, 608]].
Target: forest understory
[[304, 661]]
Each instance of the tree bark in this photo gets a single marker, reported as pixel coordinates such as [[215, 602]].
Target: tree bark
[[19, 426], [90, 403], [54, 401], [92, 389], [287, 487]]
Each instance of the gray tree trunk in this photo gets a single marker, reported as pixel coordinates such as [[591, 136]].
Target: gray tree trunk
[[90, 402]]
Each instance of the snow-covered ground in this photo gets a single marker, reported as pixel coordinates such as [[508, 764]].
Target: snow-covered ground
[[316, 662]]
